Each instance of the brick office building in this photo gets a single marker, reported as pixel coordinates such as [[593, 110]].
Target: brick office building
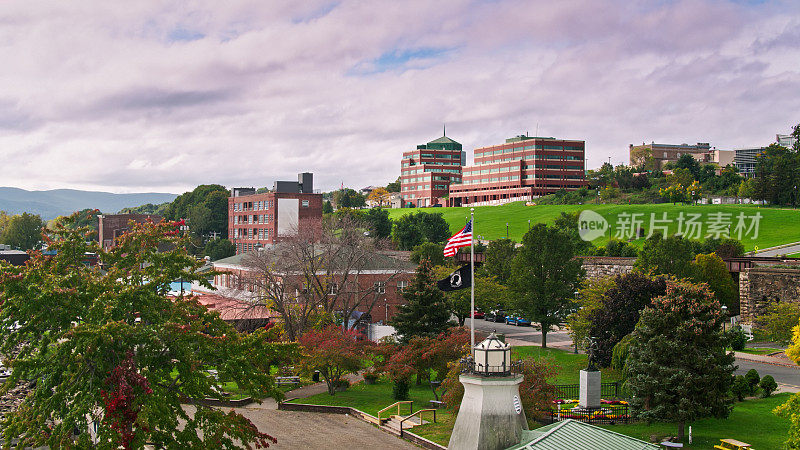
[[112, 226], [427, 172], [261, 219], [520, 169]]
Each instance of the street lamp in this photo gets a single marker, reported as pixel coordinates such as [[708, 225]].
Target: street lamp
[[506, 230], [725, 315], [529, 224]]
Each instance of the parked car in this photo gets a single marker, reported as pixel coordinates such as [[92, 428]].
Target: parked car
[[497, 315], [478, 314], [518, 321]]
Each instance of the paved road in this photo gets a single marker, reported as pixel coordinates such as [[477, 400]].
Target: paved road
[[530, 335], [788, 376], [781, 251]]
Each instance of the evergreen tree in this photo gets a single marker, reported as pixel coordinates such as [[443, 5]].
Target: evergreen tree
[[426, 312], [677, 366]]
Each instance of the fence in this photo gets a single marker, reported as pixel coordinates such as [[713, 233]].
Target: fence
[[608, 414], [607, 390]]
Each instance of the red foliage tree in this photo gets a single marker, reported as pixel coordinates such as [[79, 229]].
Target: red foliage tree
[[334, 352]]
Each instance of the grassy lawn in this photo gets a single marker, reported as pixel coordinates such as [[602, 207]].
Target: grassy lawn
[[760, 351], [775, 228], [751, 421], [372, 398]]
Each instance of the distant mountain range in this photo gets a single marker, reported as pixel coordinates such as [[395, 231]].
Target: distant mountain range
[[61, 202]]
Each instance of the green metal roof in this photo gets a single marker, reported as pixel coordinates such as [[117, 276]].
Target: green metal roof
[[443, 140], [573, 435]]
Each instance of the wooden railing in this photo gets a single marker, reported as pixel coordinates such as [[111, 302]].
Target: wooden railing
[[417, 414], [410, 404]]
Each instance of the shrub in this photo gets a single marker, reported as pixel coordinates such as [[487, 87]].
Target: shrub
[[740, 387], [737, 339], [752, 379], [768, 386], [400, 390], [370, 377]]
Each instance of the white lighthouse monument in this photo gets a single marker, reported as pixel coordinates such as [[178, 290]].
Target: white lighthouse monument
[[491, 415]]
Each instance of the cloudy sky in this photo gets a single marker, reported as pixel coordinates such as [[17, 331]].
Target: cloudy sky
[[165, 95]]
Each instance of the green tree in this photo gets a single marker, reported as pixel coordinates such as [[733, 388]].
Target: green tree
[[590, 298], [747, 188], [378, 222], [545, 276], [394, 186], [498, 258], [425, 312], [205, 208], [488, 294], [777, 173], [23, 231], [348, 198], [327, 207], [568, 222], [687, 162], [666, 256], [677, 366], [406, 233], [219, 248], [411, 230], [110, 348], [711, 269], [433, 226], [434, 253], [778, 321]]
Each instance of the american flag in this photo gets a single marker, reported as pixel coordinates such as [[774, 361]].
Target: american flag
[[461, 239]]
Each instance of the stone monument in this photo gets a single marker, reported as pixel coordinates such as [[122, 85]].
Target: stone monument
[[491, 415], [590, 382]]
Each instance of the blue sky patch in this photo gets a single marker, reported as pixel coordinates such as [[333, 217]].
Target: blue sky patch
[[182, 34], [401, 60]]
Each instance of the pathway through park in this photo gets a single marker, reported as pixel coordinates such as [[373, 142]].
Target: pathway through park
[[296, 430]]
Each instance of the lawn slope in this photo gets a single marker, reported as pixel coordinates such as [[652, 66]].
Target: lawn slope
[[776, 227]]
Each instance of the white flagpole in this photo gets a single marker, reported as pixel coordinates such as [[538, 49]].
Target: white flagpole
[[472, 278]]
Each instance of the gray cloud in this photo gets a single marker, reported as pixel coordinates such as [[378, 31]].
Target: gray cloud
[[161, 96]]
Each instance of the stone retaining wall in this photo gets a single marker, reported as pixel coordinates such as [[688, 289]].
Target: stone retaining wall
[[602, 266], [759, 286]]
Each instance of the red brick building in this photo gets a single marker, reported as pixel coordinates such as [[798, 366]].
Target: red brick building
[[381, 281], [427, 172], [520, 169], [112, 226], [261, 219]]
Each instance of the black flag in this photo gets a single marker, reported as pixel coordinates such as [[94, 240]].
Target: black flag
[[459, 279]]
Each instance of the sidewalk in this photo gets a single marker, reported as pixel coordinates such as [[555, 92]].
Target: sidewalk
[[319, 388], [767, 360]]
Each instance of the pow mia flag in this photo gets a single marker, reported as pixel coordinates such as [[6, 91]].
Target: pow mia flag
[[459, 279]]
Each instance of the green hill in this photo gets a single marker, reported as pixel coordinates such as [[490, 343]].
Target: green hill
[[776, 226]]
